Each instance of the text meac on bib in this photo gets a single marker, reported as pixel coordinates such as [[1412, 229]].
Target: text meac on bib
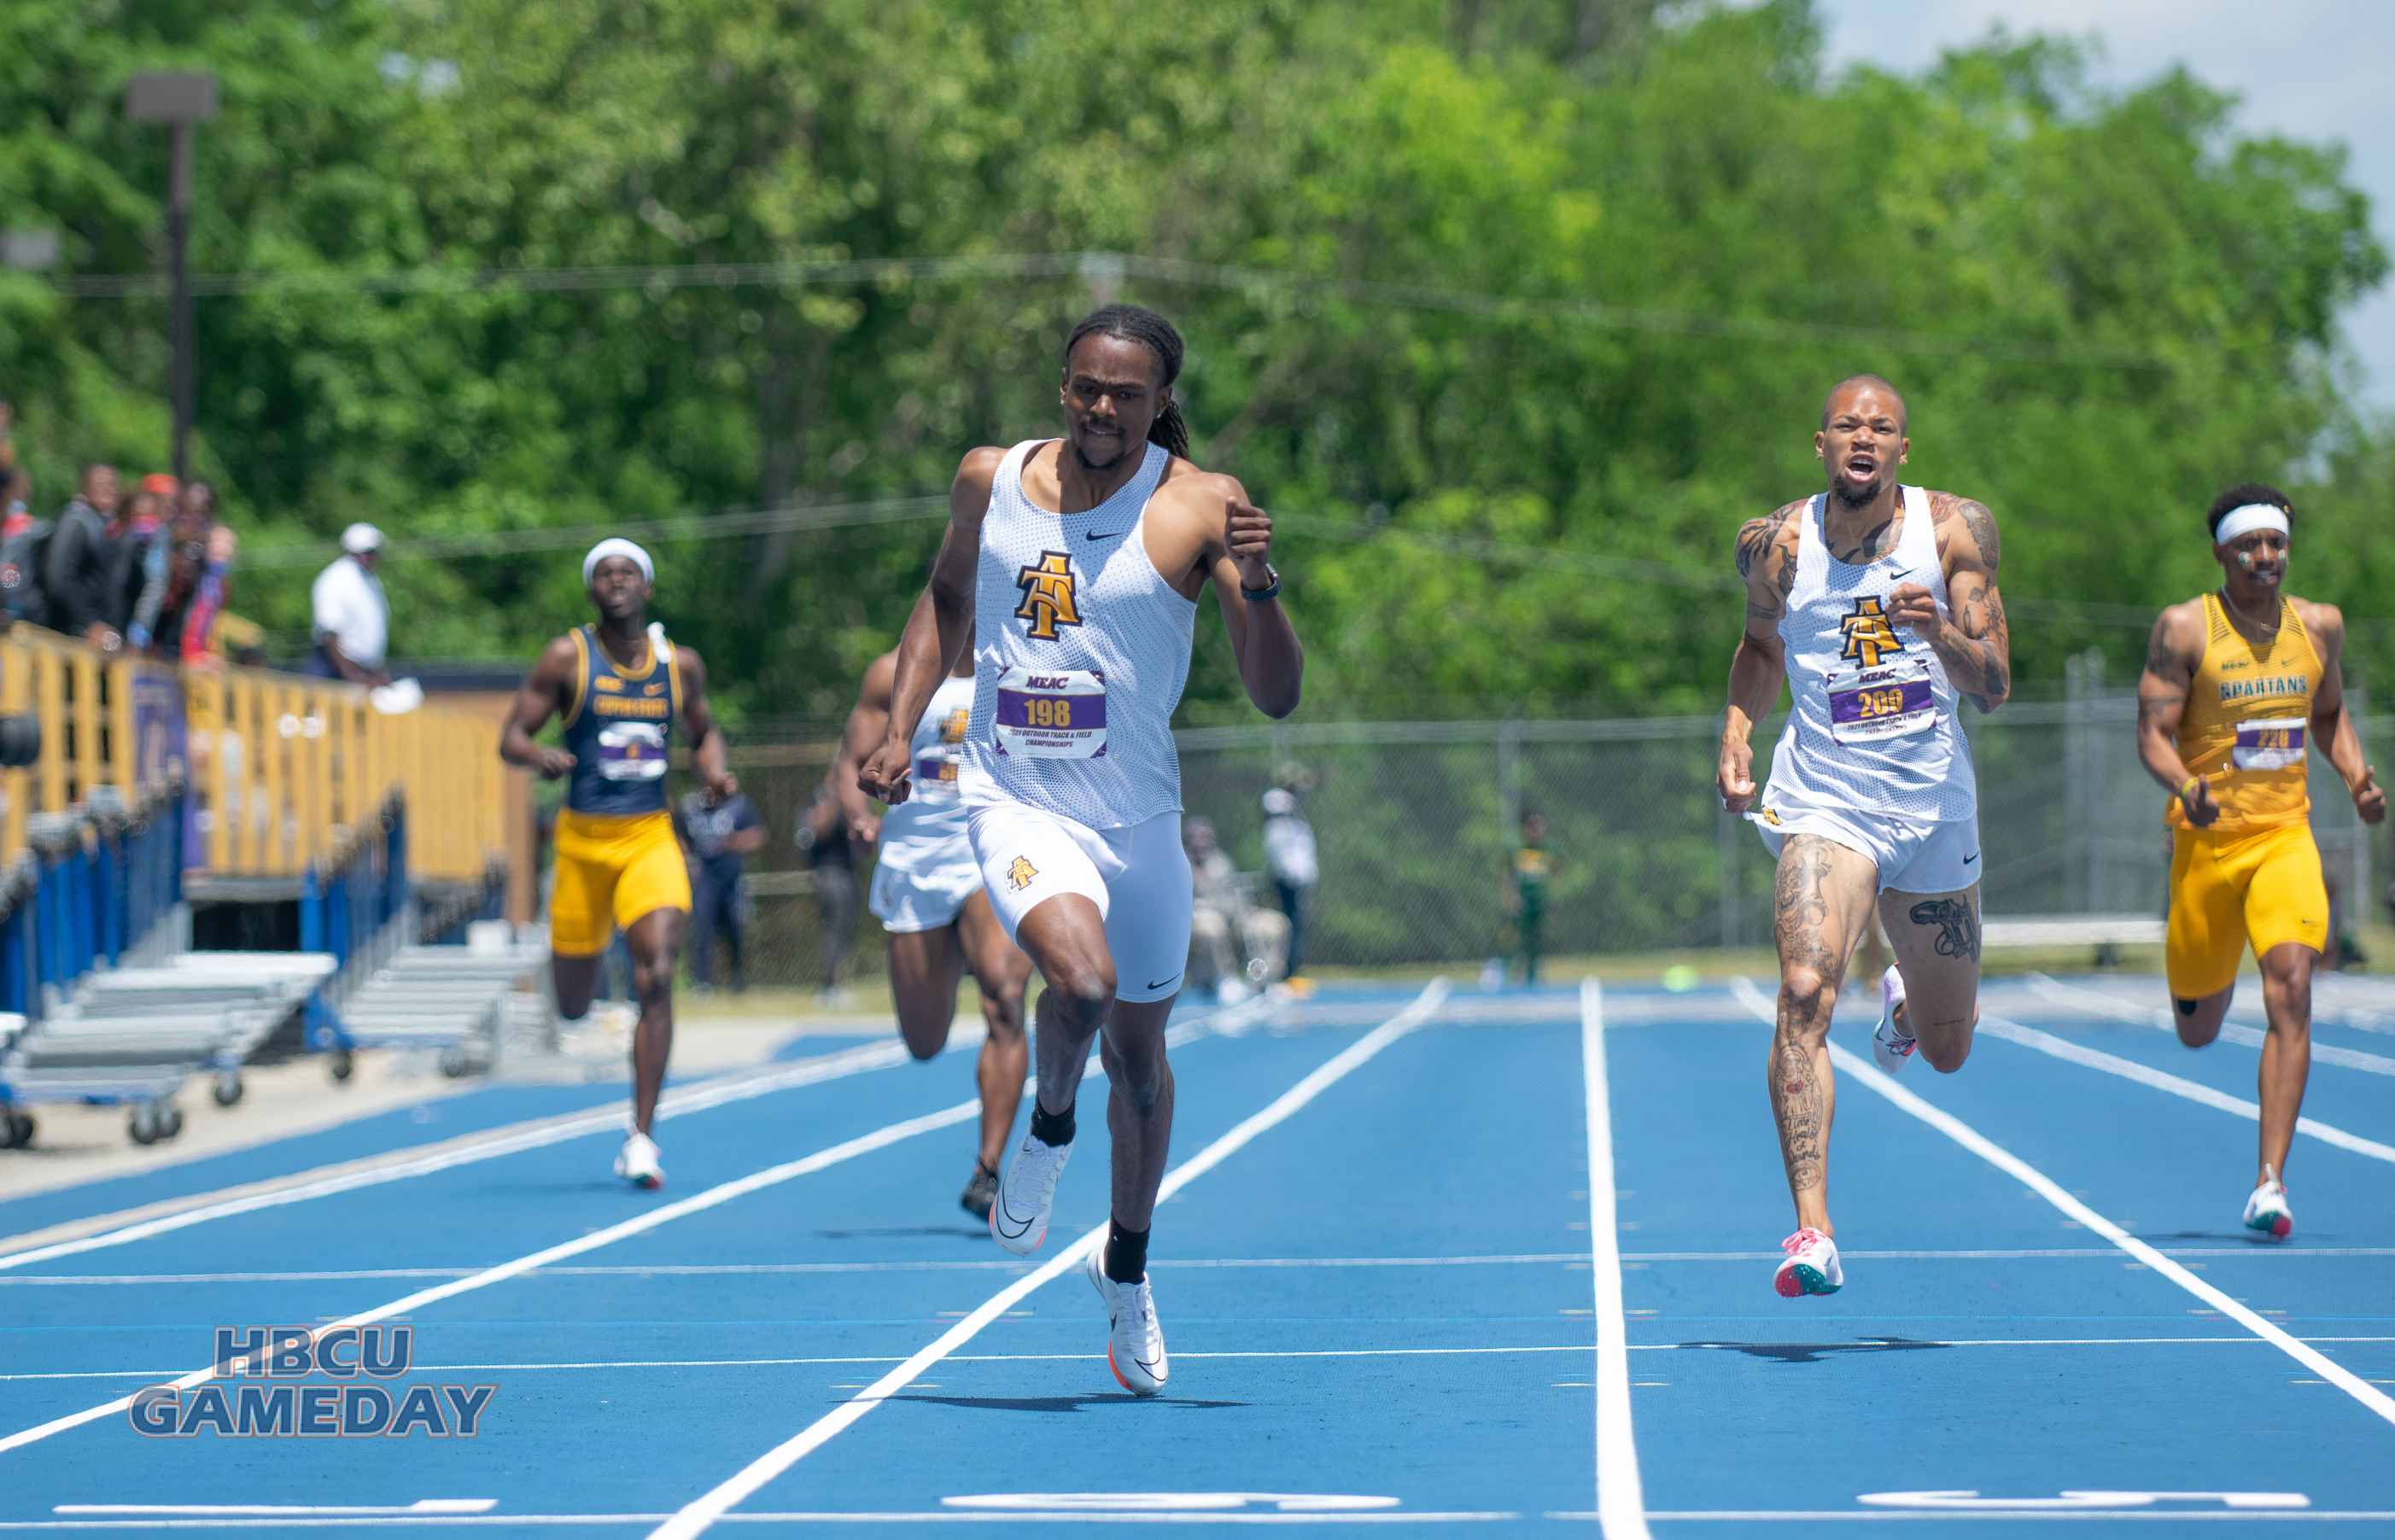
[[1051, 713]]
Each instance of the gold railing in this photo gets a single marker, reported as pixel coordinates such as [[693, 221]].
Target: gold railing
[[283, 768]]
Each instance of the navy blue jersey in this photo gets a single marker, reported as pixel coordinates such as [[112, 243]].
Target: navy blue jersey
[[619, 728]]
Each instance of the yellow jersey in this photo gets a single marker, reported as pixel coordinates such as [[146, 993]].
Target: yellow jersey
[[2248, 714]]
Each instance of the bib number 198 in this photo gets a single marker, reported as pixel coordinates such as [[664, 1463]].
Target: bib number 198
[[1053, 714]]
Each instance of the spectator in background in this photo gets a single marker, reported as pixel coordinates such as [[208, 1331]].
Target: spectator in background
[[720, 840], [23, 539], [82, 560], [1289, 861], [144, 520], [352, 617], [1224, 922], [189, 579], [1525, 904], [831, 846]]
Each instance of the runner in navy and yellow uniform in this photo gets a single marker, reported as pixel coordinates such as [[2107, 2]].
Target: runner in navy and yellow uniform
[[2239, 684], [618, 685]]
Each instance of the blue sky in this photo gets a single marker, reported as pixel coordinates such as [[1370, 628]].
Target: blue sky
[[2315, 70]]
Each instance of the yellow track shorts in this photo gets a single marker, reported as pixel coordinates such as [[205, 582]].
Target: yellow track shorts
[[2227, 890], [610, 872]]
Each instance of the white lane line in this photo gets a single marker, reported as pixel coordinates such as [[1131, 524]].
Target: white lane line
[[1568, 1258], [2165, 1516], [720, 1268], [1620, 1498], [350, 1176], [501, 1142], [696, 1516], [2063, 1049], [1861, 1073], [2098, 1003], [150, 1375], [940, 1516], [721, 1194], [277, 1510]]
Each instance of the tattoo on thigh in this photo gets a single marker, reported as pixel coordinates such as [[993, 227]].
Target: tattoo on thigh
[[1800, 908], [1958, 926]]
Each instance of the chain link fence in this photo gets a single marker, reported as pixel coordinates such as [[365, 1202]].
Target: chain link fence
[[1415, 822]]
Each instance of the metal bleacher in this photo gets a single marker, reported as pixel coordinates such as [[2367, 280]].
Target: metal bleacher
[[155, 789]]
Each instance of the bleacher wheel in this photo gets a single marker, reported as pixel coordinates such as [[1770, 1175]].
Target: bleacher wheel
[[142, 1127], [170, 1122], [228, 1089], [454, 1062], [343, 1065], [16, 1130]]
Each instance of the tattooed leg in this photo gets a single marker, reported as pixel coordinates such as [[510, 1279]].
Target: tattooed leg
[[1937, 942], [1820, 903]]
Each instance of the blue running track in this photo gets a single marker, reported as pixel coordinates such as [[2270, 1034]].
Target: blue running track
[[1391, 1295]]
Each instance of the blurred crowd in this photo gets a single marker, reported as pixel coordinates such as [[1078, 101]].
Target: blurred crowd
[[146, 568]]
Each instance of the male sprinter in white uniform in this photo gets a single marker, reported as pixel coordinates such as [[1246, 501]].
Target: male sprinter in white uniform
[[1077, 564], [617, 685], [2235, 684], [1877, 603], [927, 893]]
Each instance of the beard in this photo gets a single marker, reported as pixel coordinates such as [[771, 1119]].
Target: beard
[[1089, 464], [1847, 497]]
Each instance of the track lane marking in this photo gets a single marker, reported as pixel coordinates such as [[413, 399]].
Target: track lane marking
[[1621, 1497], [695, 1517], [1861, 1071], [2161, 1080], [723, 1192], [402, 1165], [2096, 1002]]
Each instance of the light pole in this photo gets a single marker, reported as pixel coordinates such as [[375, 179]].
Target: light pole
[[178, 99]]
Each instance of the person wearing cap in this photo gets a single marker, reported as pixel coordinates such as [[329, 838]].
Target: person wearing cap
[[352, 617], [617, 685], [2239, 686]]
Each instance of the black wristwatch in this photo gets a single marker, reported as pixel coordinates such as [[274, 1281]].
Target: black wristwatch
[[1271, 590]]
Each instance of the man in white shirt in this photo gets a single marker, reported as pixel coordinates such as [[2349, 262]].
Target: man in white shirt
[[352, 618]]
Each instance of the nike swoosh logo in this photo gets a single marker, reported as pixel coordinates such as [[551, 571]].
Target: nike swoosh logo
[[1161, 982], [1095, 534], [1967, 860]]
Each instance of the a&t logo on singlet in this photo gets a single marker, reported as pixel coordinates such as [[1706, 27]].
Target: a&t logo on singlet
[[1048, 596], [1868, 633], [952, 726]]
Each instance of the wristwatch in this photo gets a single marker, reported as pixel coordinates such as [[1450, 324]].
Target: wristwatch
[[1271, 590]]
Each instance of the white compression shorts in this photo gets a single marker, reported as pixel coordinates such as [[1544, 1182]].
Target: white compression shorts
[[928, 900], [1912, 856], [1138, 878]]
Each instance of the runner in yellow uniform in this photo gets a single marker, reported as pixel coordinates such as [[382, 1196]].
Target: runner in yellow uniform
[[2239, 685], [617, 685]]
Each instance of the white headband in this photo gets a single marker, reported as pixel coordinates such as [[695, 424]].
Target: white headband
[[608, 548], [2246, 519]]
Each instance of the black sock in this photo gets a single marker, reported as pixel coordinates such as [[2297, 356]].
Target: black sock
[[1126, 1254], [1052, 1129]]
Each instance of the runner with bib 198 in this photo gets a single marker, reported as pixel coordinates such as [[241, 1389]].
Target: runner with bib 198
[[1078, 563], [1877, 603]]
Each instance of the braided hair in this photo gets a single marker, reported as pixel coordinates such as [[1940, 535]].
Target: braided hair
[[1134, 323]]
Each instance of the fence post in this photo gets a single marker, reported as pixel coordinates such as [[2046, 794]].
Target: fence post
[[2357, 703], [1509, 776], [2100, 842]]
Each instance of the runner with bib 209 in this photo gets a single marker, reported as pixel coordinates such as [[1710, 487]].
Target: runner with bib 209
[[2239, 686], [1076, 565], [1877, 603], [617, 685]]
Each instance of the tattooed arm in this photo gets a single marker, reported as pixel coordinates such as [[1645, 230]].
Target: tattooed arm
[[1766, 559], [2172, 654], [1974, 644]]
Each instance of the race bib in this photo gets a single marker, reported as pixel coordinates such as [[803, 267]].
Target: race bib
[[936, 774], [2277, 744], [1052, 713], [631, 751], [1892, 701]]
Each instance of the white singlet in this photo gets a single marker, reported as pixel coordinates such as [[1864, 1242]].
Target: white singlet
[[928, 829], [1084, 648], [1871, 728]]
